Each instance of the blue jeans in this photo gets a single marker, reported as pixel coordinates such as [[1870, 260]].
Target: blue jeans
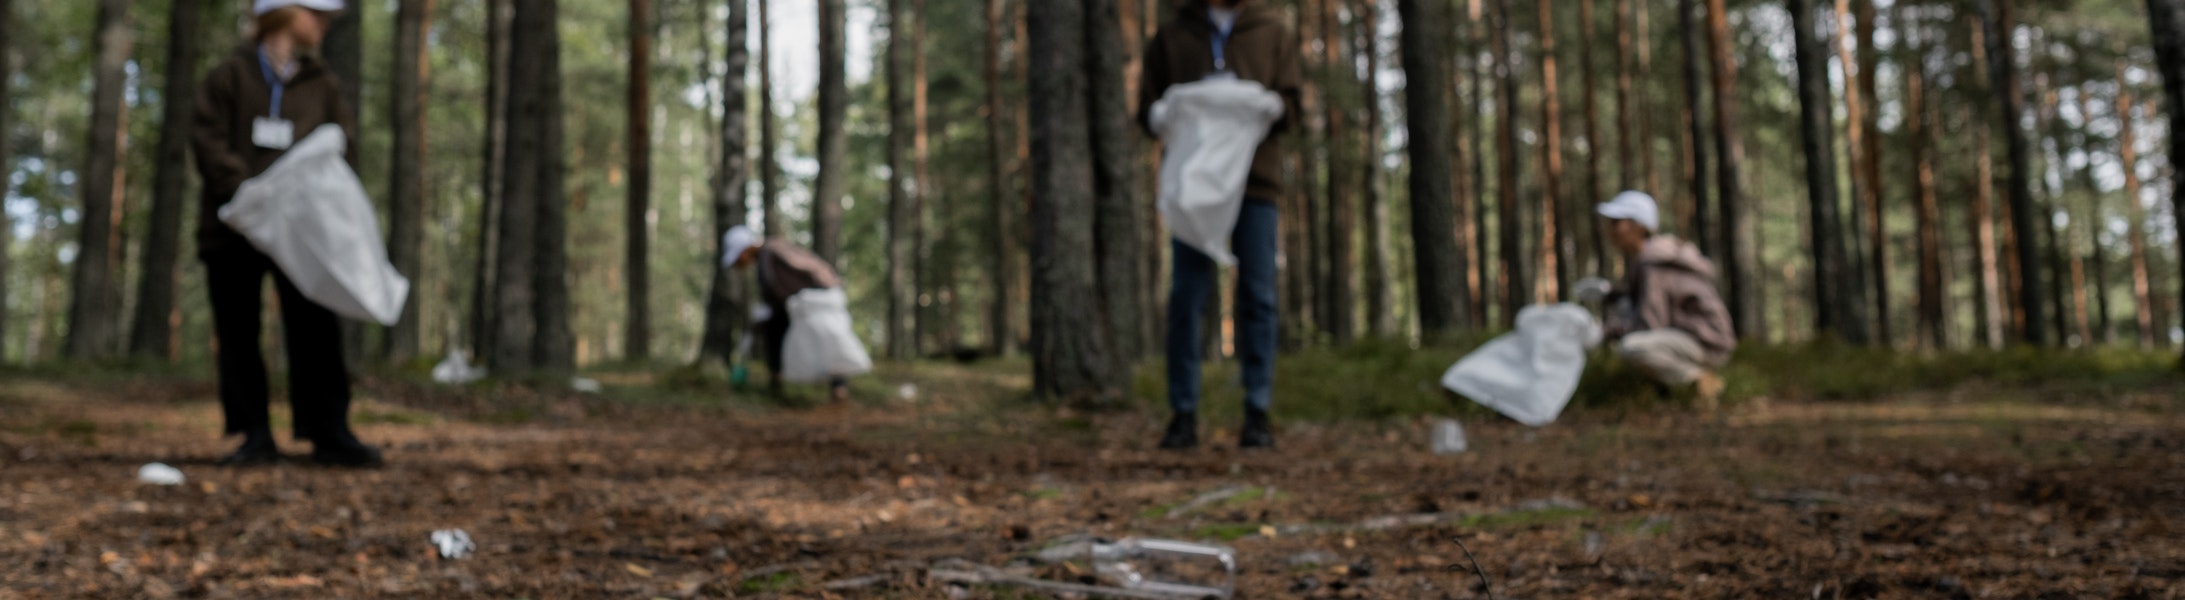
[[1194, 277]]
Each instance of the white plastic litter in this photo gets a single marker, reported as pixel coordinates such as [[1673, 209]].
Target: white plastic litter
[[908, 392], [1591, 290], [1529, 374], [1211, 129], [456, 369], [820, 345], [585, 385], [1449, 437], [309, 214], [159, 474], [453, 543]]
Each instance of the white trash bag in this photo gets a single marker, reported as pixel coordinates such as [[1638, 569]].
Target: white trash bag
[[1529, 374], [308, 212], [821, 345], [1210, 130]]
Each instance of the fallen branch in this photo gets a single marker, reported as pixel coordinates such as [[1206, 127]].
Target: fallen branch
[[1484, 585], [858, 583], [991, 576]]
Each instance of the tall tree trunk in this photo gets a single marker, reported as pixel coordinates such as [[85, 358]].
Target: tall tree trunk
[[343, 52], [1304, 270], [556, 345], [637, 270], [406, 191], [1071, 359], [1626, 167], [833, 141], [2135, 213], [532, 296], [1999, 25], [1509, 222], [94, 309], [921, 250], [1862, 187], [484, 306], [7, 156], [1439, 260], [1464, 189], [1695, 140], [730, 180], [1997, 319], [769, 127], [1644, 102], [1380, 270], [1738, 227], [1838, 306], [1933, 332], [2047, 125], [902, 291], [1338, 301], [1001, 208], [1868, 163], [1599, 254], [1483, 283], [151, 332], [2093, 312], [1115, 202], [1557, 248]]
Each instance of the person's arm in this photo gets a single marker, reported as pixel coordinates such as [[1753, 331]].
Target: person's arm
[[1289, 82], [220, 168], [1153, 81], [344, 116]]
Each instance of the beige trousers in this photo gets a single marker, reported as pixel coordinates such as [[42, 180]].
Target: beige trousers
[[1670, 355]]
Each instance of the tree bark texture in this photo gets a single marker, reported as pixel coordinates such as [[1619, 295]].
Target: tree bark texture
[[1695, 144], [1597, 256], [1380, 259], [1997, 320], [1117, 206], [532, 296], [902, 290], [1838, 307], [769, 167], [636, 217], [1557, 247], [1071, 360], [2135, 214], [2022, 207], [727, 299], [833, 139], [1338, 295], [1738, 227], [7, 155], [95, 308], [1868, 162], [1001, 208], [151, 332], [1510, 222], [1933, 312], [1437, 257], [407, 189]]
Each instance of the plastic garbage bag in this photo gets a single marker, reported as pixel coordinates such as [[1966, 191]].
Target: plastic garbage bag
[[159, 474], [821, 345], [1211, 130], [456, 369], [309, 214], [1529, 374]]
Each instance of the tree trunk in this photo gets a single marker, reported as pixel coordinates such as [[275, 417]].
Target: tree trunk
[[1738, 227], [1839, 307], [2093, 304], [406, 190], [1868, 162], [1932, 333], [902, 291], [1304, 270], [920, 249], [769, 130], [1625, 165], [7, 156], [725, 301], [1862, 187], [343, 52], [1001, 208], [636, 218], [1694, 144], [2022, 209], [1557, 248], [1380, 271], [1483, 288], [1510, 223], [1464, 189], [484, 329], [1995, 318], [1437, 257], [1581, 208], [1644, 102], [556, 346], [95, 307], [2135, 213], [532, 296], [1071, 360], [1115, 185], [151, 333], [1338, 300], [833, 141]]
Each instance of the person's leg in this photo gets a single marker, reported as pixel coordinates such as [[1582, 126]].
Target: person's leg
[[1675, 358], [773, 332], [1191, 280], [234, 282], [318, 380], [1254, 244]]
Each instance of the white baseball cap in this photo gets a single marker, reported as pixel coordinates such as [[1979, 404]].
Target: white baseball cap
[[1633, 206], [735, 242], [260, 7]]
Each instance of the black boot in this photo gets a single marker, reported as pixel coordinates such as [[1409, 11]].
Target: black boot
[[257, 449], [1258, 432], [343, 450], [1183, 432]]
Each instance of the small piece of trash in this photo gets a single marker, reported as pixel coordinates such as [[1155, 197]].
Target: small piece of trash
[[159, 474], [456, 369], [908, 393], [453, 543], [585, 385], [1448, 437]]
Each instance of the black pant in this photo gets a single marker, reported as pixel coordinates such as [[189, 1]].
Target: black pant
[[318, 381]]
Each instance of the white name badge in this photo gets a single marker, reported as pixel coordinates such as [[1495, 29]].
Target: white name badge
[[271, 133]]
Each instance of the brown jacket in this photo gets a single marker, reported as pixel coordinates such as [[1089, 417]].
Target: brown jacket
[[1260, 49], [1672, 285], [228, 100], [785, 269]]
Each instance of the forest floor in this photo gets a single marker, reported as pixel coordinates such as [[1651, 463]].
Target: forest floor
[[644, 491]]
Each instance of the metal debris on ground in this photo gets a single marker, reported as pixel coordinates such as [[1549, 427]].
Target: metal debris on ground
[[453, 543]]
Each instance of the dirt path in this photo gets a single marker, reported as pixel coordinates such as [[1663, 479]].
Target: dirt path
[[1951, 495]]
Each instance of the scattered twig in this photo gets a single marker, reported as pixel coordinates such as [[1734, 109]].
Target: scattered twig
[[1483, 583], [855, 583], [1203, 501]]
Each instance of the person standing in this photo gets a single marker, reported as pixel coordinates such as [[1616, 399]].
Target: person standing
[[784, 269], [260, 100], [1665, 316], [1245, 40]]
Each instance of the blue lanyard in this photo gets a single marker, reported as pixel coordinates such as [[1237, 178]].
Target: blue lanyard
[[265, 66], [1221, 46]]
